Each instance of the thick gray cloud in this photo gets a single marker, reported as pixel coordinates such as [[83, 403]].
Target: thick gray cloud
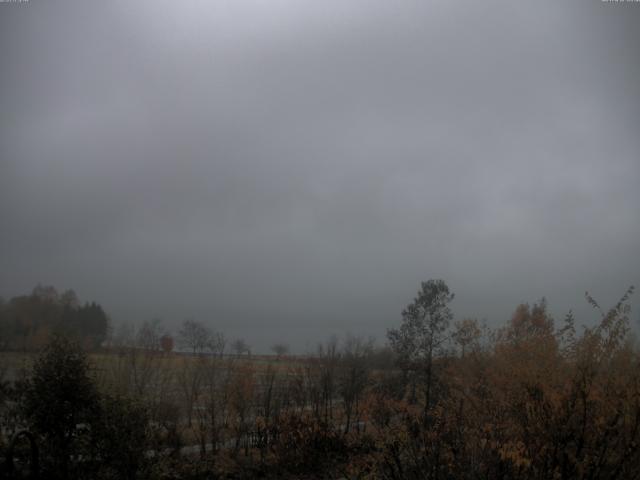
[[291, 169]]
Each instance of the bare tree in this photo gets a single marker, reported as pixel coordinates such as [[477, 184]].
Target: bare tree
[[139, 369], [217, 344], [280, 349], [354, 376], [213, 411], [194, 336], [190, 376], [196, 371], [148, 336], [240, 346], [241, 400], [328, 357]]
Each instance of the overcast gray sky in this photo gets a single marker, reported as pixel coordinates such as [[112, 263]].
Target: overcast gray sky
[[288, 169]]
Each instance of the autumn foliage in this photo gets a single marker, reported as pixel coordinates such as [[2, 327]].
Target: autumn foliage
[[536, 401], [449, 399]]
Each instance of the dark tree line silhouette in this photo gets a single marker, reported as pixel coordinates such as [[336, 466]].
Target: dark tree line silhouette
[[28, 321]]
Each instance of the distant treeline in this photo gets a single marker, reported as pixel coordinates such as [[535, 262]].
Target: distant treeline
[[533, 399], [28, 321]]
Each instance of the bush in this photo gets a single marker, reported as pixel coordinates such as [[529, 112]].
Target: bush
[[121, 438], [59, 403], [82, 434]]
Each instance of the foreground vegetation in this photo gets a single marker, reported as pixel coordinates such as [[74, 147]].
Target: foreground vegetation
[[446, 400]]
